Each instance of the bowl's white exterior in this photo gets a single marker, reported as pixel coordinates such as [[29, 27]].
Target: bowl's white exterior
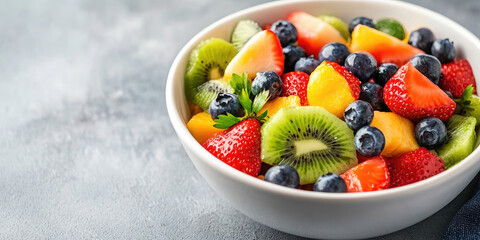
[[323, 215]]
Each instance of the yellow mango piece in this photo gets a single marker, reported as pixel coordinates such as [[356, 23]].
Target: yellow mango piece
[[327, 88], [201, 127], [399, 133], [280, 102]]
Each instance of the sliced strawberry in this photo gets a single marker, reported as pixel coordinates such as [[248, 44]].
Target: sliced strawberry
[[371, 175], [414, 166], [410, 94], [457, 75], [295, 83], [266, 26], [361, 158], [263, 52], [313, 33], [238, 146]]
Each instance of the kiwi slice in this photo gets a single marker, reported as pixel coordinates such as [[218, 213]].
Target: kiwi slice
[[207, 61], [391, 27], [209, 90], [460, 140], [243, 31], [310, 139], [338, 24]]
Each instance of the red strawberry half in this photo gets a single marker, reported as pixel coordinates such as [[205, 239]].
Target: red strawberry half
[[238, 146], [410, 94], [414, 166], [371, 175], [295, 83], [457, 75]]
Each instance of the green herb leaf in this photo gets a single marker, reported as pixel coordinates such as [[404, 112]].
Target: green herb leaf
[[263, 115], [226, 121], [259, 101]]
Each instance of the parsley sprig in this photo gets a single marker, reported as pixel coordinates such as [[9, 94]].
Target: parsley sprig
[[242, 88]]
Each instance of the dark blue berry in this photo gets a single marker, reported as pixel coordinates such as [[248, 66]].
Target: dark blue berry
[[444, 50], [422, 39], [292, 54], [334, 52], [428, 65], [373, 94], [225, 103], [284, 175], [330, 182], [430, 132], [360, 20], [285, 31], [358, 114], [267, 81], [306, 64], [384, 73], [369, 141], [361, 64]]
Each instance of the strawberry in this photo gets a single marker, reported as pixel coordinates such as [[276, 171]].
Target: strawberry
[[371, 175], [239, 146], [266, 26], [295, 83], [263, 52], [414, 166], [457, 75], [313, 33], [410, 94]]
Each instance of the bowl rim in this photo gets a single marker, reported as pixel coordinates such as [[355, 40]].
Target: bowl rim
[[188, 140]]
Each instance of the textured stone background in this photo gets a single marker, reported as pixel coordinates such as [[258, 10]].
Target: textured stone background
[[88, 150]]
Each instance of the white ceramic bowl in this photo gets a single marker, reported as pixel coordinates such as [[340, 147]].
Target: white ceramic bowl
[[324, 215]]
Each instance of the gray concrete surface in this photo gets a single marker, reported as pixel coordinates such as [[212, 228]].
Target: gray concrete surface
[[88, 151]]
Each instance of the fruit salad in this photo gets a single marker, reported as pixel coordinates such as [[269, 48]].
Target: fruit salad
[[313, 103]]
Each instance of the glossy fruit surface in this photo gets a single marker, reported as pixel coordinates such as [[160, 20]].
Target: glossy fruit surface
[[280, 102], [306, 64], [225, 103], [373, 94], [428, 65], [292, 54], [296, 83], [430, 133], [384, 73], [330, 182], [391, 27], [398, 132], [385, 48], [412, 95], [201, 127], [414, 166], [334, 52], [283, 175], [332, 87], [371, 175], [285, 31], [444, 50], [457, 75], [313, 33], [358, 114], [267, 81], [360, 20], [369, 141], [361, 64], [422, 39]]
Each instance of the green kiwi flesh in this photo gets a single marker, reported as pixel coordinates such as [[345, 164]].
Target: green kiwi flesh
[[207, 61], [209, 90], [310, 139], [460, 140], [243, 31]]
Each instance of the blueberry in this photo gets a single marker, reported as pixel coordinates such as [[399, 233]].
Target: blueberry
[[369, 141], [373, 94], [360, 20], [292, 54], [267, 81], [358, 114], [284, 175], [430, 132], [225, 103], [384, 73], [428, 65], [285, 31], [330, 182], [361, 64], [306, 64], [444, 50], [334, 52], [422, 39]]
